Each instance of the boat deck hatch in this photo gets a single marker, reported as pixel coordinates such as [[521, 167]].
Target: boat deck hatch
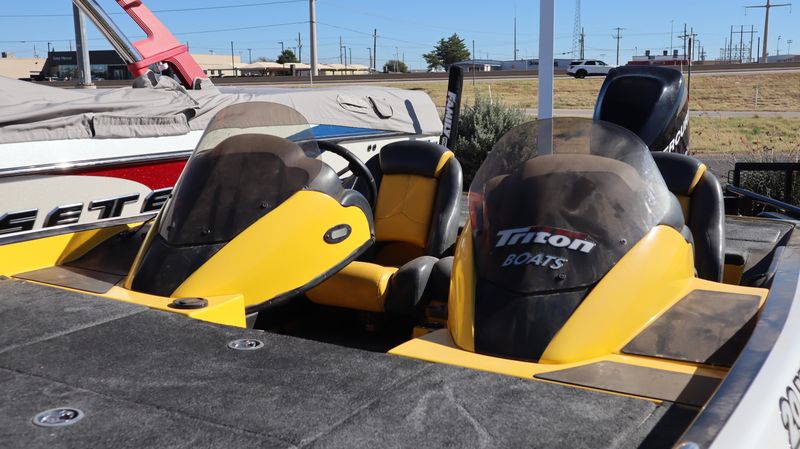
[[653, 383]]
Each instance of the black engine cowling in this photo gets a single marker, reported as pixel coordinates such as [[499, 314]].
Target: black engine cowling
[[653, 102]]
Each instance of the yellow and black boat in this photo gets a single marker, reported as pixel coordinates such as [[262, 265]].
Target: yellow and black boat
[[597, 296]]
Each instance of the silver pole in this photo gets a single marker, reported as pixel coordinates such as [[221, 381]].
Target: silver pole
[[546, 34], [313, 36], [84, 68], [106, 26]]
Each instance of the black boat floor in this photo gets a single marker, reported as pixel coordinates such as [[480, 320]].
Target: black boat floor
[[152, 379]]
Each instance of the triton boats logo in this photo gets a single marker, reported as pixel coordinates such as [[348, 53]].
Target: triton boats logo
[[545, 235], [542, 235]]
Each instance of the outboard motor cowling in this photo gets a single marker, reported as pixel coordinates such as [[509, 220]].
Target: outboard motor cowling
[[653, 102]]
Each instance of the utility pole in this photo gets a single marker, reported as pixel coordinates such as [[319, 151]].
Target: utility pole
[[759, 43], [370, 57], [473, 62], [752, 31], [351, 55], [767, 7], [684, 37], [81, 49], [250, 55], [375, 49], [312, 12], [282, 48], [340, 50], [789, 46], [740, 49], [778, 47], [741, 43], [233, 62], [583, 42], [730, 44], [671, 27], [299, 48], [618, 37]]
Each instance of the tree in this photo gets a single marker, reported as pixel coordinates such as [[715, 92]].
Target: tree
[[287, 57], [446, 52], [393, 65], [263, 59]]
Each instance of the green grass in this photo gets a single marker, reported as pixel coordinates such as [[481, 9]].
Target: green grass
[[740, 135]]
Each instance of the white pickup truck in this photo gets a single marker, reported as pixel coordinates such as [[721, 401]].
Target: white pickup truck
[[588, 67]]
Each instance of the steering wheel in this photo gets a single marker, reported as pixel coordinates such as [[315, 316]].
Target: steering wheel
[[355, 165]]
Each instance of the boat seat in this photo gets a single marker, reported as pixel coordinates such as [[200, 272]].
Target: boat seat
[[700, 195], [416, 223]]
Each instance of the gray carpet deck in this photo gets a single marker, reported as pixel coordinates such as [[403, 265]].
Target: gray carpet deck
[[153, 379]]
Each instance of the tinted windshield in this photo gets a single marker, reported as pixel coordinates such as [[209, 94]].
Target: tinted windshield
[[558, 202], [259, 118], [252, 157]]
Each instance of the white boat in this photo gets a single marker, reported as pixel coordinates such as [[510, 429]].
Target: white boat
[[72, 157]]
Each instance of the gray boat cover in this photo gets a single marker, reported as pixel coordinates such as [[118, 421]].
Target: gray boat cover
[[33, 112]]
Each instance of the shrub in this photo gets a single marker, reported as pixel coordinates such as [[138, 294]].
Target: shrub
[[480, 127]]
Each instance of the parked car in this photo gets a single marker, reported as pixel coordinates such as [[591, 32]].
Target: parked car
[[588, 67]]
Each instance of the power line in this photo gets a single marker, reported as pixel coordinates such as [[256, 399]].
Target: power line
[[256, 27], [201, 8]]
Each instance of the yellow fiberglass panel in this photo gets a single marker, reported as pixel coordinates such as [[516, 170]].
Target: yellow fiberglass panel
[[655, 274], [283, 251], [438, 347], [461, 304], [45, 252]]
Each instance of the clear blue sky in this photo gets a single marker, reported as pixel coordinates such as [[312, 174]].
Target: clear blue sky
[[411, 27]]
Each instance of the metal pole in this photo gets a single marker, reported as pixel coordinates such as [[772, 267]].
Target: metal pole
[[515, 37], [250, 55], [620, 37], [370, 57], [313, 36], [765, 53], [106, 26], [299, 48], [84, 69], [546, 73], [730, 46], [233, 63], [741, 43], [671, 26], [375, 49], [473, 62]]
